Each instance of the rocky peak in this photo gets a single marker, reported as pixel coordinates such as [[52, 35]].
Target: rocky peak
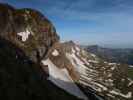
[[27, 29], [26, 36]]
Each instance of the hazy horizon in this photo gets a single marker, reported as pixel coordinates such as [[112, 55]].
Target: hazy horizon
[[115, 46], [102, 22]]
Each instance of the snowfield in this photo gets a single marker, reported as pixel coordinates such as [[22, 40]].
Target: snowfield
[[62, 79]]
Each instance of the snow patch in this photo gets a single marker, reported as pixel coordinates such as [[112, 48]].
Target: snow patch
[[113, 68], [77, 48], [93, 55], [105, 62], [86, 62], [55, 53], [24, 35], [128, 95], [73, 51], [110, 80], [101, 86], [79, 65], [110, 75], [131, 82], [122, 79], [93, 61], [111, 96], [62, 79], [111, 64]]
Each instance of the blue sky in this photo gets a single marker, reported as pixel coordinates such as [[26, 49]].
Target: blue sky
[[104, 22]]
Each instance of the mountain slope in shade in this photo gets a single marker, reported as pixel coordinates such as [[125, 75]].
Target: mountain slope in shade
[[22, 79]]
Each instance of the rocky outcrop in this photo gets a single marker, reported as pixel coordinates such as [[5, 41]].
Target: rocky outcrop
[[25, 38], [28, 29]]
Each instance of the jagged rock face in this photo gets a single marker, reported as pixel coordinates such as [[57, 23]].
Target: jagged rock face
[[25, 37], [27, 29]]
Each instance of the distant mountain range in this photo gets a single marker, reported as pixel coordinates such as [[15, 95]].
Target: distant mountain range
[[112, 55]]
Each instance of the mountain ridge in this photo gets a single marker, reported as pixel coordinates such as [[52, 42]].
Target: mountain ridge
[[34, 64], [123, 55]]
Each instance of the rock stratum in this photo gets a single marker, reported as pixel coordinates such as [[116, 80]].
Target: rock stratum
[[35, 65]]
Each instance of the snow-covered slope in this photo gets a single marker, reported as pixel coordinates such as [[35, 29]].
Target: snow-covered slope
[[108, 80], [61, 78]]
